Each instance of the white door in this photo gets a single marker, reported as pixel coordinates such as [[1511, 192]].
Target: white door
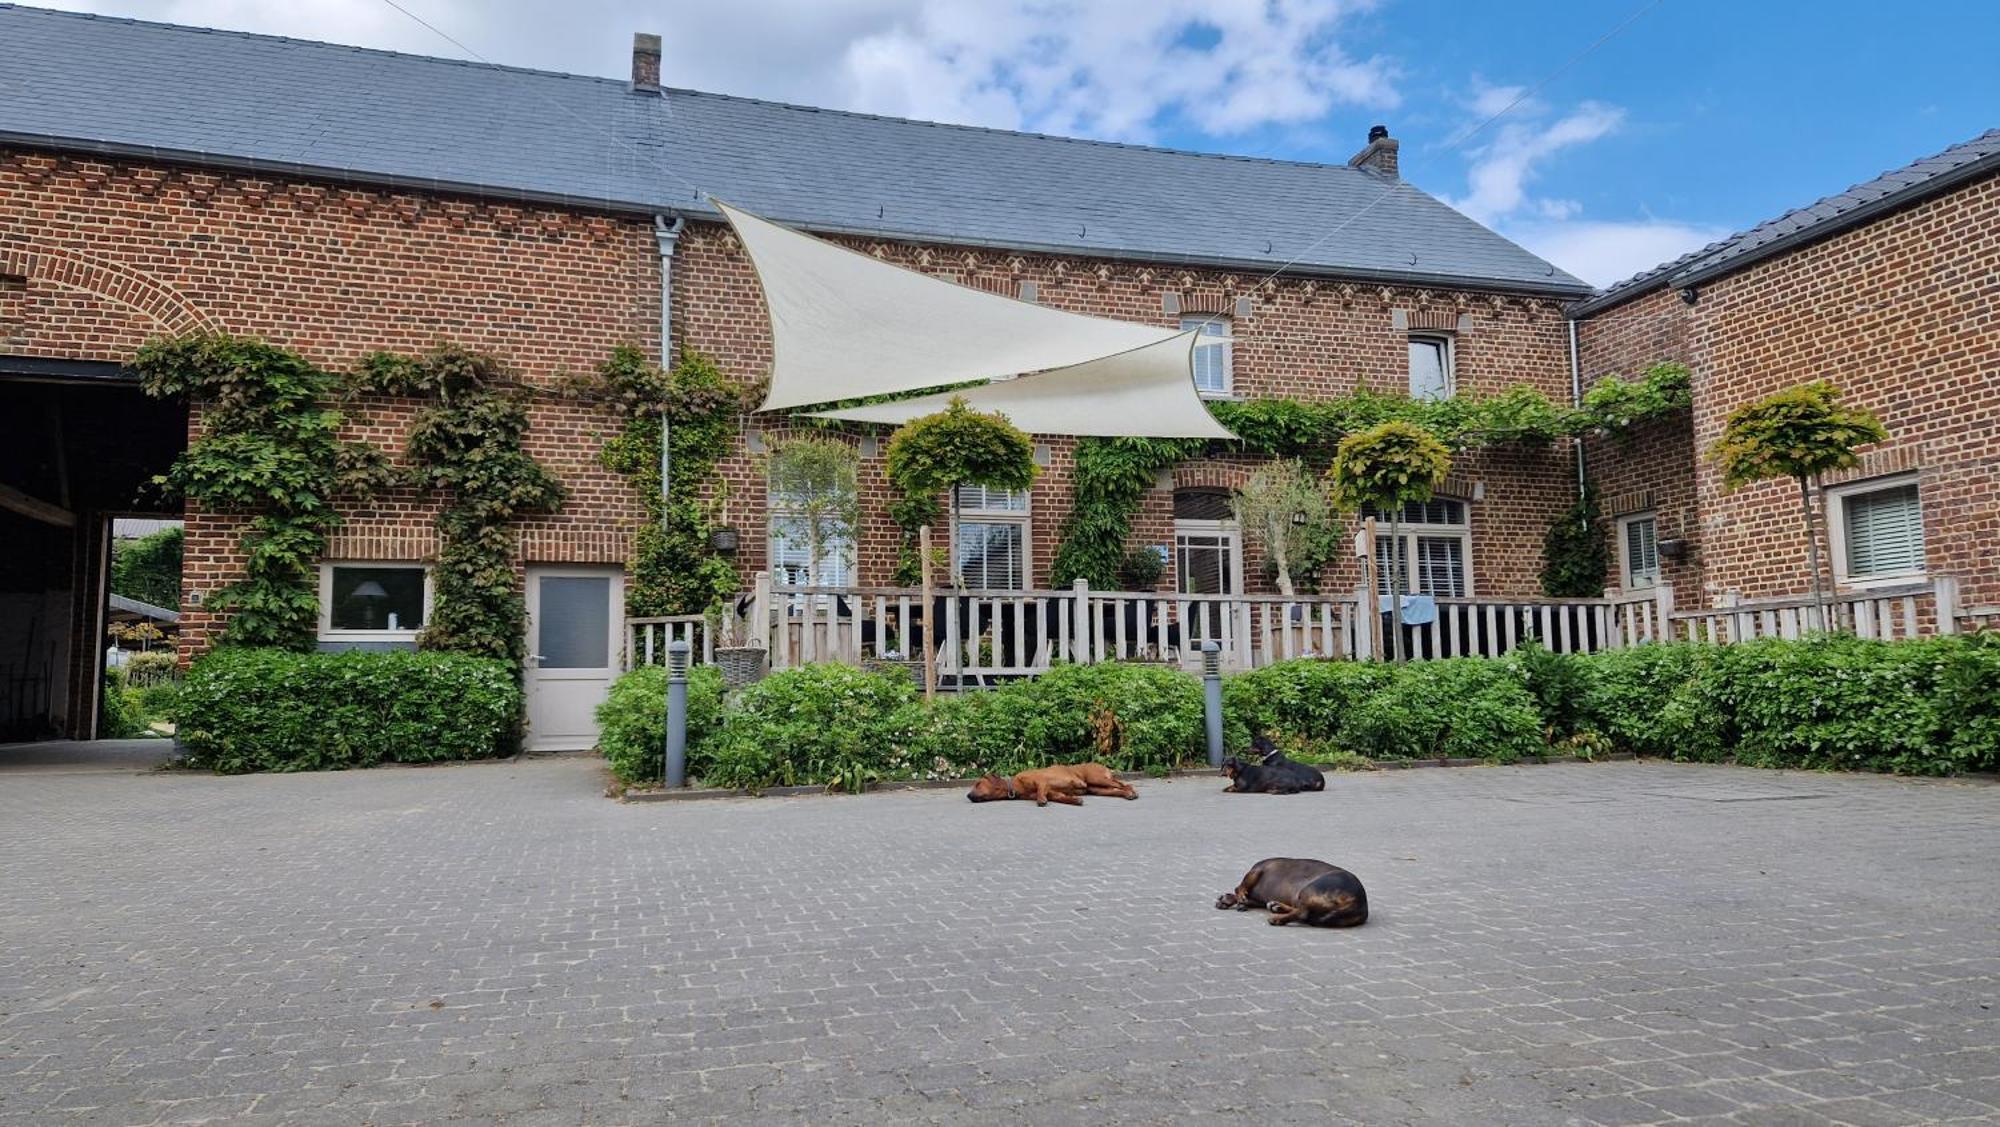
[[1209, 561], [575, 615]]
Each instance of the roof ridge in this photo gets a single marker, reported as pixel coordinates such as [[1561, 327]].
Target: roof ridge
[[1166, 150]]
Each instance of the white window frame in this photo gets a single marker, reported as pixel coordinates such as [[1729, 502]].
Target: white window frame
[[1447, 349], [1410, 532], [1022, 516], [1226, 530], [845, 553], [1836, 531], [326, 631], [1627, 577], [1225, 341]]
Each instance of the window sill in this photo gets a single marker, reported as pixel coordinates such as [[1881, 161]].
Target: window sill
[[1872, 582]]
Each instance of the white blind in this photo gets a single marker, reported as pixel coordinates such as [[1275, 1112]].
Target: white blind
[[1642, 553], [992, 500], [1884, 531], [1211, 352], [791, 556]]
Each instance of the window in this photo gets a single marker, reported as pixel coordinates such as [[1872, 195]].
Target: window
[[1437, 549], [1430, 368], [792, 564], [990, 545], [1213, 361], [373, 602], [1878, 531], [1638, 551]]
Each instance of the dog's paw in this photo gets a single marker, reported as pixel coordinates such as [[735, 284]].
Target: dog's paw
[[1276, 921], [1226, 901]]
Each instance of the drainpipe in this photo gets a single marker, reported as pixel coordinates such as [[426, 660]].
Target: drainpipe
[[1576, 400], [667, 235]]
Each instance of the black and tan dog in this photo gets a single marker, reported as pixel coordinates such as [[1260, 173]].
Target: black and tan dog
[[1062, 784], [1297, 890], [1275, 775]]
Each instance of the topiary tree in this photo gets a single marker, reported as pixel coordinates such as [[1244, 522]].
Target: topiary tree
[[959, 446], [815, 479], [1800, 433], [1282, 508], [1385, 467]]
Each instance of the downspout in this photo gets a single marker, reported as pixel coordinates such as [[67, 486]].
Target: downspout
[[1576, 401], [667, 235]]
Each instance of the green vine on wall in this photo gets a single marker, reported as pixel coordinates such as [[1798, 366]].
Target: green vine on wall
[[1113, 475], [268, 449], [1575, 559], [466, 442], [674, 569]]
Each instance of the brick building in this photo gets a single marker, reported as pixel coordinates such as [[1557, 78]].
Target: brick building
[[336, 201], [1890, 290]]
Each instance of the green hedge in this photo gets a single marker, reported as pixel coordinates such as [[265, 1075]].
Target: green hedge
[[1928, 707], [1462, 708], [244, 709], [633, 721]]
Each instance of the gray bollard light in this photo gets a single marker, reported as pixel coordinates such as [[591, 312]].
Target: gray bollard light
[[677, 713], [1211, 698]]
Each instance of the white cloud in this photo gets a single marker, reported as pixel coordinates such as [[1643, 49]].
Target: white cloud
[[1604, 252], [1114, 68], [1100, 68], [1502, 168]]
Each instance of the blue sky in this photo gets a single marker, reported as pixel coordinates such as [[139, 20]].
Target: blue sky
[[1698, 118]]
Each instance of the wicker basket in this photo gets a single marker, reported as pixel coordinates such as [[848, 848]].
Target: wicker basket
[[741, 665]]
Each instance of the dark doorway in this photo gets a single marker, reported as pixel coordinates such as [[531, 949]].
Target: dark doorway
[[79, 446]]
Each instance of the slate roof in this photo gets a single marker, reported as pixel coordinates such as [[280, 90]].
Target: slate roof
[[1914, 182], [132, 88]]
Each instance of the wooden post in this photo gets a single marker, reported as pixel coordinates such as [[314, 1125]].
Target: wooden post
[[760, 621], [1945, 591], [930, 628], [1371, 579]]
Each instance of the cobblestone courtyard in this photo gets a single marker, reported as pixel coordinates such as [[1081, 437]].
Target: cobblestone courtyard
[[1619, 943]]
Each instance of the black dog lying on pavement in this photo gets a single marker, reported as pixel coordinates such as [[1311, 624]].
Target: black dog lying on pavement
[[1297, 890], [1275, 775]]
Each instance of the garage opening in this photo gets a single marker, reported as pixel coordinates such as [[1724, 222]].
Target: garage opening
[[79, 447]]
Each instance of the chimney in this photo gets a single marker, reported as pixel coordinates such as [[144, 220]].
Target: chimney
[[645, 62], [1379, 156]]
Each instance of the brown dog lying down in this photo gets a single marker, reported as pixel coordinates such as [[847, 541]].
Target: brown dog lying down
[[1300, 891], [1053, 784]]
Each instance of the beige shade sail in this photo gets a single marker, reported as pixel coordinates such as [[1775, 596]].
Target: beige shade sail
[[847, 326]]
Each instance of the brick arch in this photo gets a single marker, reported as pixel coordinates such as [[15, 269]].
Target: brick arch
[[163, 304], [1210, 475]]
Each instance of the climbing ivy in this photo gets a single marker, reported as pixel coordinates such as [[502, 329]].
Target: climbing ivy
[[466, 443], [1114, 474], [1575, 558], [268, 449], [674, 570]]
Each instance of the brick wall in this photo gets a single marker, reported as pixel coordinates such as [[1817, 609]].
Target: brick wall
[[111, 253], [1651, 469], [1303, 339], [1900, 314], [114, 253]]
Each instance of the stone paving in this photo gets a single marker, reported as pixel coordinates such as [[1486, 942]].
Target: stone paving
[[1619, 943]]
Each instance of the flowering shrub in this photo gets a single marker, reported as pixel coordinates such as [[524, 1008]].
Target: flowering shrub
[[259, 709]]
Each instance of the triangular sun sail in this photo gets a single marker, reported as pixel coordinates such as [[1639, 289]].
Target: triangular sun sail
[[847, 326]]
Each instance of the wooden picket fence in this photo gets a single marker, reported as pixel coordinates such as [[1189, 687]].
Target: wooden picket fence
[[983, 635]]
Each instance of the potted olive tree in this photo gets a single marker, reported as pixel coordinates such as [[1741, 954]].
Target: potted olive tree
[[1285, 511]]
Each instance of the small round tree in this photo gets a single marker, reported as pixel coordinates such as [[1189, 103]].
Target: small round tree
[[1386, 467], [1800, 433], [1285, 510], [959, 446]]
